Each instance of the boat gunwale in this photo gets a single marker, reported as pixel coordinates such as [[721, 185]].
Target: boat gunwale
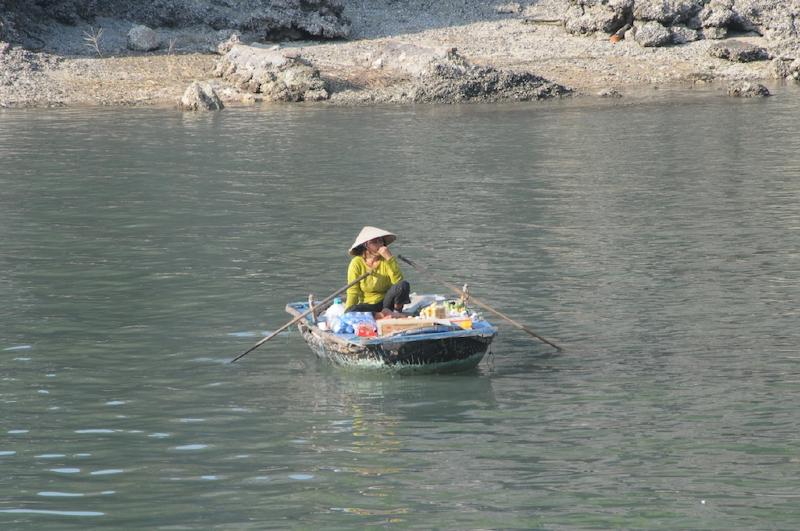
[[489, 331]]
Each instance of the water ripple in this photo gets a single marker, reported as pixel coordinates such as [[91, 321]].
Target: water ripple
[[192, 447], [107, 472], [53, 512]]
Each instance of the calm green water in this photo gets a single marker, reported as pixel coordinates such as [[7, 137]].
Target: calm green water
[[658, 243]]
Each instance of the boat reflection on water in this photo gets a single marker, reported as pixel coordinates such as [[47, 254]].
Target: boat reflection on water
[[376, 410], [374, 432]]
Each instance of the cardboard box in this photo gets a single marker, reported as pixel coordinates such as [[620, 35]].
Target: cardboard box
[[391, 326]]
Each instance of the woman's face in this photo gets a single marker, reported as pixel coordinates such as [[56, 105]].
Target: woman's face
[[374, 244]]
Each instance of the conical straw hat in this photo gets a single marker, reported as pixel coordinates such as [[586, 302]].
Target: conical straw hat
[[370, 233]]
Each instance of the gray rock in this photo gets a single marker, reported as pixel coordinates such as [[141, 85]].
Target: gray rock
[[278, 75], [226, 46], [512, 8], [652, 34], [717, 14], [409, 58], [272, 19], [682, 34], [454, 80], [745, 89], [776, 19], [714, 33], [786, 68], [713, 19], [143, 39], [589, 16], [667, 12], [200, 97], [701, 78], [794, 69], [738, 51], [610, 93]]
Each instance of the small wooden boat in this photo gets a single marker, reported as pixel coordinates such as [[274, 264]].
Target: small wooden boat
[[434, 347]]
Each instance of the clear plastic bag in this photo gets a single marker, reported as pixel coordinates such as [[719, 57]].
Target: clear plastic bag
[[333, 315], [350, 321]]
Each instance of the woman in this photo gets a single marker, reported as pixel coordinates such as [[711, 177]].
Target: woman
[[384, 291]]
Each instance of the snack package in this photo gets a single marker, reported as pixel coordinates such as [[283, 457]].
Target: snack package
[[365, 330]]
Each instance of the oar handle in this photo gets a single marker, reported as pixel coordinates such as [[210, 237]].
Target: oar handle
[[478, 302], [296, 319]]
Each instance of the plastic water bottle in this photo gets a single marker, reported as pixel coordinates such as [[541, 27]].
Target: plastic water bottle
[[333, 315]]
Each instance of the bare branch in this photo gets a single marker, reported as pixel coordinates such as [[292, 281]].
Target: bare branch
[[92, 39]]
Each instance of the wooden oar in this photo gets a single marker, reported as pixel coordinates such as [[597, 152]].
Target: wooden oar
[[478, 302], [318, 307]]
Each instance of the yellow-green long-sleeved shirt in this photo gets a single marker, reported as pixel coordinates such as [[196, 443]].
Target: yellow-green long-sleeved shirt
[[373, 288]]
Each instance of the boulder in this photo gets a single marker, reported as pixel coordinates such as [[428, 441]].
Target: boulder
[[683, 34], [143, 39], [774, 19], [454, 80], [589, 16], [652, 34], [714, 33], [512, 8], [666, 12], [278, 75], [200, 97], [738, 51], [786, 68], [717, 14], [226, 46], [411, 59], [712, 19], [794, 69], [745, 89]]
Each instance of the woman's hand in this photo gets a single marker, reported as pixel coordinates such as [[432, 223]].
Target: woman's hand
[[384, 252]]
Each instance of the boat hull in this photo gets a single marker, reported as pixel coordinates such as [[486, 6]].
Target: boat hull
[[436, 350], [435, 353]]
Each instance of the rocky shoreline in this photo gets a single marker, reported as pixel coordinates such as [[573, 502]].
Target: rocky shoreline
[[59, 52]]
